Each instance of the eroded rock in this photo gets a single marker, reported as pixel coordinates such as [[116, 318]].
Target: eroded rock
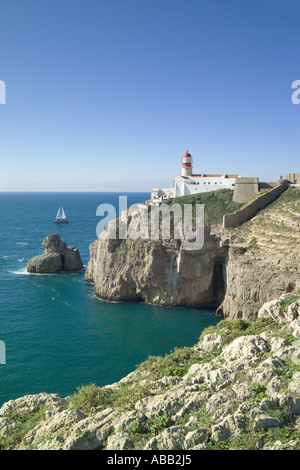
[[57, 257]]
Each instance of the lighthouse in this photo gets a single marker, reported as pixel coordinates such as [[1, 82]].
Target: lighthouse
[[187, 169], [192, 183]]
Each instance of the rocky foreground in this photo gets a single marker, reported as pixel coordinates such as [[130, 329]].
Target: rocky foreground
[[238, 388]]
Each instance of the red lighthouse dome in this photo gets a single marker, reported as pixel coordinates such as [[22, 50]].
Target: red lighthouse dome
[[187, 161]]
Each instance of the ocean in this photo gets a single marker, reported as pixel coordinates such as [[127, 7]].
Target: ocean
[[58, 335]]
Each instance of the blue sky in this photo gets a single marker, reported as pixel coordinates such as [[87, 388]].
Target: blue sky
[[108, 94]]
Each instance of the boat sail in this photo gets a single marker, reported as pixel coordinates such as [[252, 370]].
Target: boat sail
[[61, 216]]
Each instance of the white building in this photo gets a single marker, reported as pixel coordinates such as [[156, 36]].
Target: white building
[[189, 183]]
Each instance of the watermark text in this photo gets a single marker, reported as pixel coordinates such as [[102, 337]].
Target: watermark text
[[2, 353], [142, 221], [295, 358], [2, 92], [296, 94]]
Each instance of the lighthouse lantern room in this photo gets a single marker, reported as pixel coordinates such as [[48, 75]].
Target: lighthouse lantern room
[[187, 161]]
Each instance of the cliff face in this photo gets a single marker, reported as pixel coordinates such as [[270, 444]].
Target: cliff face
[[160, 272], [263, 260], [253, 279], [237, 270]]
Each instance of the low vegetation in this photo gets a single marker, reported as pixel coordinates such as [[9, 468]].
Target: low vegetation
[[275, 229], [24, 422], [175, 364], [216, 204], [124, 397], [232, 329], [293, 297]]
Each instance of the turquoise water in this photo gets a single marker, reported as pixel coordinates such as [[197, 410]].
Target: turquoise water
[[58, 335]]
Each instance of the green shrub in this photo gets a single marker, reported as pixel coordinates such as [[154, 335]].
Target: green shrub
[[260, 391], [293, 297], [89, 396], [284, 416], [232, 329], [287, 370], [25, 422], [258, 388], [136, 428], [175, 364], [123, 397], [128, 394], [159, 423], [243, 442], [283, 434]]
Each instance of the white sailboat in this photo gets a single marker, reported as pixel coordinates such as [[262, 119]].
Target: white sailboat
[[61, 216]]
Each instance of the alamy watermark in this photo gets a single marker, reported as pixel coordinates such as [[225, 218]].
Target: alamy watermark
[[296, 94], [295, 358], [142, 221], [2, 353], [2, 92]]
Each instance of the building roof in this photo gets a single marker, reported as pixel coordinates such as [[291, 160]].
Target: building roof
[[206, 175]]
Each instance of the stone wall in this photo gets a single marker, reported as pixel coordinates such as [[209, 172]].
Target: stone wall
[[264, 185], [244, 214], [293, 178], [245, 189]]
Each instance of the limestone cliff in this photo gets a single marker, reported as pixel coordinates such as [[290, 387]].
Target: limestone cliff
[[160, 272], [254, 277], [264, 258], [237, 270]]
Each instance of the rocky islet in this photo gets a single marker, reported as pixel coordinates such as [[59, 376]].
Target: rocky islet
[[57, 257]]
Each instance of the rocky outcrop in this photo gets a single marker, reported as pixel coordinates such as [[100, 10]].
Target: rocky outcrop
[[160, 272], [263, 260], [57, 257], [45, 264], [236, 271], [163, 271], [235, 280], [237, 388], [254, 277]]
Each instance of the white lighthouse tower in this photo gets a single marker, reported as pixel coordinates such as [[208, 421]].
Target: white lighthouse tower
[[187, 169]]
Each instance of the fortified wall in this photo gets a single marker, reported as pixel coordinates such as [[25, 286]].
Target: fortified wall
[[244, 214], [293, 178], [245, 189]]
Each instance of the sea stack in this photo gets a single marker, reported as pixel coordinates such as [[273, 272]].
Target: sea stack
[[57, 257]]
